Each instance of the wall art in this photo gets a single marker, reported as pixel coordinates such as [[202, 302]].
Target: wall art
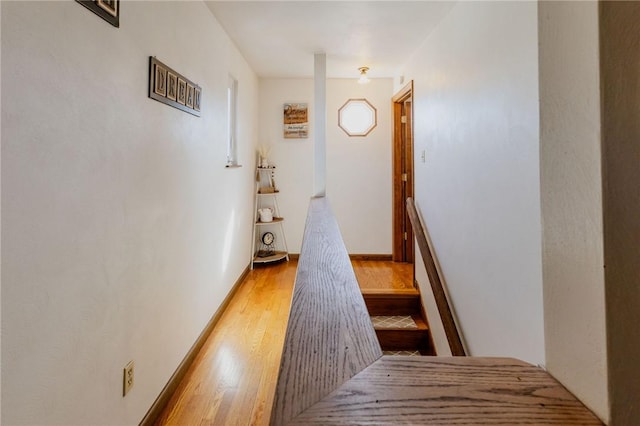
[[172, 88], [109, 10], [296, 121]]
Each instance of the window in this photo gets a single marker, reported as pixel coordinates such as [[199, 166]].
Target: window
[[357, 117], [232, 102]]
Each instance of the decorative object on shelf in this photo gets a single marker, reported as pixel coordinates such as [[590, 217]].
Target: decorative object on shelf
[[268, 230], [109, 10], [296, 121], [268, 245], [266, 214], [268, 238], [263, 154], [171, 88]]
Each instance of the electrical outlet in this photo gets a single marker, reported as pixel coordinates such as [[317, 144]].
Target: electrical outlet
[[127, 378]]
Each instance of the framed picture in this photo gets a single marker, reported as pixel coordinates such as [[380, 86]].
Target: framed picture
[[109, 10], [172, 85], [109, 6], [190, 90], [196, 99], [296, 121], [182, 91], [160, 80], [168, 86]]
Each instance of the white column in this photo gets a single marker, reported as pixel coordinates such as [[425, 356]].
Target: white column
[[320, 125]]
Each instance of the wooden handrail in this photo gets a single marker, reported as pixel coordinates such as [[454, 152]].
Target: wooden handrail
[[330, 337], [333, 372], [449, 324]]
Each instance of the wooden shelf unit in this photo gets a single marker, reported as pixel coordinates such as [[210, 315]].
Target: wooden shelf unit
[[278, 255], [266, 196], [275, 220]]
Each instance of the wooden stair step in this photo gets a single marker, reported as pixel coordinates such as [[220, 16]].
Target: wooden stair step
[[404, 337], [393, 321], [391, 291], [397, 302]]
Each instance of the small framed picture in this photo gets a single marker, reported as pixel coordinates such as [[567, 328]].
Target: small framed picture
[[296, 121], [196, 99], [182, 91], [160, 81], [109, 6], [172, 85], [109, 10], [190, 90]]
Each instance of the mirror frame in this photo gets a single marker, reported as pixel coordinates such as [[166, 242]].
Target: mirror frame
[[345, 108]]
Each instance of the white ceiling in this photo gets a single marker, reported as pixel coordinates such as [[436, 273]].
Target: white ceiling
[[279, 38]]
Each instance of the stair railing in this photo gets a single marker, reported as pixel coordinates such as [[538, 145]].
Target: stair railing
[[446, 315]]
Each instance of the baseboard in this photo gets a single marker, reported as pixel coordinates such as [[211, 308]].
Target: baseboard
[[163, 399], [370, 257], [296, 256]]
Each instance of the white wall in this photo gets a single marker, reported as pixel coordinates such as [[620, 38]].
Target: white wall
[[122, 231], [293, 157], [358, 168], [476, 116], [359, 178], [571, 185]]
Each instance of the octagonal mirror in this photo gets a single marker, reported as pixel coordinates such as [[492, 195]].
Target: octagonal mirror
[[357, 117]]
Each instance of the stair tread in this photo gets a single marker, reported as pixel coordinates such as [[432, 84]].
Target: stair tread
[[380, 292], [397, 318], [408, 330], [402, 353], [398, 323], [393, 321], [398, 302]]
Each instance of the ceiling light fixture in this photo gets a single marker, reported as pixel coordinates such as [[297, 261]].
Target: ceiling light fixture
[[363, 75]]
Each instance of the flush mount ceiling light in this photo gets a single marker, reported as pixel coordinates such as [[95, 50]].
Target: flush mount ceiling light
[[363, 75]]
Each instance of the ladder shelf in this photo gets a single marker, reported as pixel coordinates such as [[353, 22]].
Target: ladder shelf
[[268, 240]]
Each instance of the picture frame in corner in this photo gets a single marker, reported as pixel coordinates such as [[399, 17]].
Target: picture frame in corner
[[109, 10]]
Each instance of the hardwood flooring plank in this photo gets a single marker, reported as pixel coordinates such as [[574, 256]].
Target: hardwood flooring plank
[[232, 381], [255, 322], [233, 378], [383, 275]]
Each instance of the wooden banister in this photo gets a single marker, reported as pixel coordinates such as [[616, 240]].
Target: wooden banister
[[332, 370], [330, 337], [448, 322]]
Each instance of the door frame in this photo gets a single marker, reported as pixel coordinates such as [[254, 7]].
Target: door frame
[[402, 248]]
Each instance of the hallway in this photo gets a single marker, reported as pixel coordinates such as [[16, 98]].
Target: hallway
[[232, 380]]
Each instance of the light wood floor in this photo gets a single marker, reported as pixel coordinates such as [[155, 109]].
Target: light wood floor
[[232, 381], [383, 275]]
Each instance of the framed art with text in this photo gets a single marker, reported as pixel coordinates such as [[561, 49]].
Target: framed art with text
[[296, 121], [168, 86]]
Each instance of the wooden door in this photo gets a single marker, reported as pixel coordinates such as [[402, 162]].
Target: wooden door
[[402, 173]]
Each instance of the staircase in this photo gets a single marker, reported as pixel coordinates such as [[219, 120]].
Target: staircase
[[398, 320]]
